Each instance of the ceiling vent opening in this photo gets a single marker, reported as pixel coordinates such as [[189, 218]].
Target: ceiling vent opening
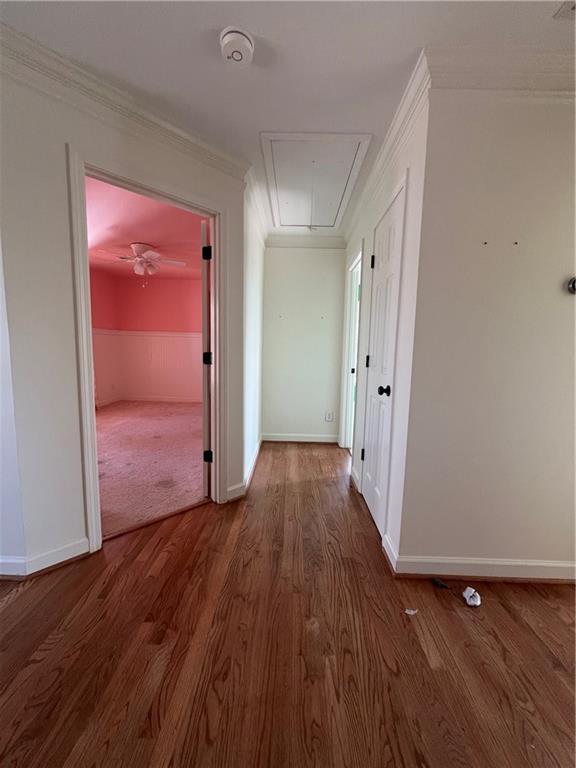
[[311, 176]]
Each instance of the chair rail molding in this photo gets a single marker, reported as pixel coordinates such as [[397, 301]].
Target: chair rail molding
[[49, 72]]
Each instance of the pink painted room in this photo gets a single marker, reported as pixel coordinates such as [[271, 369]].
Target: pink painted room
[[146, 291]]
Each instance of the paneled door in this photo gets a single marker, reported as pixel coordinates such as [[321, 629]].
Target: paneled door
[[382, 348]]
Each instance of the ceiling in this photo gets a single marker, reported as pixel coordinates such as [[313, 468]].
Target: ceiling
[[117, 217], [318, 66]]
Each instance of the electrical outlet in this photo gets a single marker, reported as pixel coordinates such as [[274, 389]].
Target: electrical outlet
[[329, 416]]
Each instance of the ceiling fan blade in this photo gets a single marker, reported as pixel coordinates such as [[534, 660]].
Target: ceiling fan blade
[[151, 256], [174, 263], [139, 268], [126, 258], [151, 268]]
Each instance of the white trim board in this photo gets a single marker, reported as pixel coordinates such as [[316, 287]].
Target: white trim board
[[24, 566], [241, 489], [49, 72], [164, 334], [480, 567], [77, 170], [236, 491], [289, 437], [148, 399], [253, 463]]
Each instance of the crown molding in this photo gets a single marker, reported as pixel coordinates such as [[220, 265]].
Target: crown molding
[[414, 98], [39, 67], [510, 73], [328, 242], [253, 198], [500, 69]]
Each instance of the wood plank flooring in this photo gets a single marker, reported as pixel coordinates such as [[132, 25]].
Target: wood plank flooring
[[270, 633]]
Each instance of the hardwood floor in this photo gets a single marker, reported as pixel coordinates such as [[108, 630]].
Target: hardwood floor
[[271, 633]]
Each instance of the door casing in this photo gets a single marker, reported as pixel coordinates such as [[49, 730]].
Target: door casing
[[361, 425], [350, 351], [78, 170]]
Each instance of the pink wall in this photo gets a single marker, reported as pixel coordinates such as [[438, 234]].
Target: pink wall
[[103, 299], [165, 367], [122, 304]]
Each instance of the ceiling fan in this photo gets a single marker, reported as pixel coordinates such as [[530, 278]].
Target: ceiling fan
[[146, 261]]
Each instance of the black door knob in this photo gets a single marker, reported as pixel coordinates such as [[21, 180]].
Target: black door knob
[[385, 391]]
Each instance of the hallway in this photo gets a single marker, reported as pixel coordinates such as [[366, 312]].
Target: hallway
[[270, 632]]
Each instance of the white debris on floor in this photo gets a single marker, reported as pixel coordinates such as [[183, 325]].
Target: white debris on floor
[[472, 597]]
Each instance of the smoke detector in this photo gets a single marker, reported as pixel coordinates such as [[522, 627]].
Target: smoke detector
[[237, 46]]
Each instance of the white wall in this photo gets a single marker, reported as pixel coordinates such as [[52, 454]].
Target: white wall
[[253, 297], [12, 543], [303, 310], [490, 467], [157, 366], [40, 114]]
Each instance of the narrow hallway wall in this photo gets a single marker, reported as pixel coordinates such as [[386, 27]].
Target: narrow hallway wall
[[303, 312]]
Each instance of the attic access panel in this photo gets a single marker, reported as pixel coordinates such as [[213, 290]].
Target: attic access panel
[[311, 176]]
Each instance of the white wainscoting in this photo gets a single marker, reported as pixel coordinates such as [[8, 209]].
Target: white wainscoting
[[159, 366]]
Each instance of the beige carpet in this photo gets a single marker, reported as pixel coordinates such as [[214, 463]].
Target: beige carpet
[[149, 461]]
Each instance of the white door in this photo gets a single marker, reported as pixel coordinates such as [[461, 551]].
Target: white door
[[352, 359], [382, 347]]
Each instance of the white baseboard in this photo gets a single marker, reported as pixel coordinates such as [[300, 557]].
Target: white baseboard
[[240, 489], [163, 399], [290, 437], [481, 567], [390, 551], [24, 566], [252, 467], [104, 403], [356, 479], [108, 401], [236, 491]]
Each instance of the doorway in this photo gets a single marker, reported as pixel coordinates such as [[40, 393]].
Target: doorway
[[352, 314], [149, 284]]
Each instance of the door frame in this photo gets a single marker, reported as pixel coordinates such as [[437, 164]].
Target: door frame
[[78, 170], [401, 184], [346, 432]]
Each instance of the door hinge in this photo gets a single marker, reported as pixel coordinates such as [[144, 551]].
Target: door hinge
[[207, 253], [362, 455], [207, 358], [367, 361], [352, 370], [372, 261], [208, 457]]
